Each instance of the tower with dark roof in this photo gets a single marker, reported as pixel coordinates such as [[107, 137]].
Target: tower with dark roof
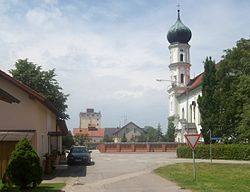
[[178, 36], [184, 92]]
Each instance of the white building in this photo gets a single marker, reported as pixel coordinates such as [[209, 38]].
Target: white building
[[90, 119], [184, 92]]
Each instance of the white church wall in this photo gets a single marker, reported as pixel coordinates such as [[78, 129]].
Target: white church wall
[[193, 115]]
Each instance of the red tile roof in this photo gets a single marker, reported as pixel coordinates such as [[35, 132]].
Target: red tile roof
[[99, 132], [194, 83]]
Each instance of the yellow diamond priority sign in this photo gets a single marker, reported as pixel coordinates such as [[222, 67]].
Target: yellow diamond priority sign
[[192, 139]]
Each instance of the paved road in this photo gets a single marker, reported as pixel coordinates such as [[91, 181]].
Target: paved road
[[121, 173], [118, 172]]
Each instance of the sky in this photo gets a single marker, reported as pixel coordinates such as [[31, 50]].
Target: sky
[[108, 53]]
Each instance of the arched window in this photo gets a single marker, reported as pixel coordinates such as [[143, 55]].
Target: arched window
[[182, 114], [194, 107], [181, 57], [182, 78]]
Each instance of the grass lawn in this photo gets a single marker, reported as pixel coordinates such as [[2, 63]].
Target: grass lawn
[[48, 187], [210, 178]]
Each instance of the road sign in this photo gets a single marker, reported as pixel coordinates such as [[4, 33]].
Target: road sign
[[192, 139], [216, 138]]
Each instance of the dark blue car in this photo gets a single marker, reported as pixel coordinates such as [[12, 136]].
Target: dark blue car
[[79, 155]]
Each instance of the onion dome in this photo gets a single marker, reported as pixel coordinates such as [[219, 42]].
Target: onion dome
[[179, 33]]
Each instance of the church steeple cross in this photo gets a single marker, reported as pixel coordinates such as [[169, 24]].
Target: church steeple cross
[[178, 5]]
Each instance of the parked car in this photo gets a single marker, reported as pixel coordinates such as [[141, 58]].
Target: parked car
[[79, 154]]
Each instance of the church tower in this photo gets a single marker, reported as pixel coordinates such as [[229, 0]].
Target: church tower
[[178, 36]]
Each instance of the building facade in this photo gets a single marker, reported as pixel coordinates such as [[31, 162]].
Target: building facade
[[131, 131], [90, 119], [27, 114], [184, 92]]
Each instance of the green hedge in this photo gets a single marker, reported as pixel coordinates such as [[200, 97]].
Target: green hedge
[[219, 151]]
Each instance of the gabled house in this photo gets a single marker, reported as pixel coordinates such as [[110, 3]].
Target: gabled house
[[131, 131], [24, 113]]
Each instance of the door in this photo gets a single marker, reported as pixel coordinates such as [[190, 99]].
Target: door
[[6, 148]]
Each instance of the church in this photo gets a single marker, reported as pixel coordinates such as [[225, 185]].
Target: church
[[183, 92]]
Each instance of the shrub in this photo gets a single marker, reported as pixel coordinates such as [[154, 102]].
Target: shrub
[[219, 151], [24, 166]]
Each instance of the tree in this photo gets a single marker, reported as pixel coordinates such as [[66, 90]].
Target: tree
[[159, 135], [170, 135], [208, 102], [151, 134], [234, 92], [81, 139], [68, 140], [43, 82], [108, 139], [124, 138], [142, 137], [24, 166]]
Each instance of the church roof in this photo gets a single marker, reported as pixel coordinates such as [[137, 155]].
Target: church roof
[[194, 83], [179, 33]]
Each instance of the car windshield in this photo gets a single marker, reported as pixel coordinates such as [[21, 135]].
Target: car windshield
[[79, 150]]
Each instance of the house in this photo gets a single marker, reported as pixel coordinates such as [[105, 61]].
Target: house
[[95, 135], [109, 134], [24, 113], [131, 131], [184, 92]]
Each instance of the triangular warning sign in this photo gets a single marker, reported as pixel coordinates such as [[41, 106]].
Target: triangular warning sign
[[192, 139]]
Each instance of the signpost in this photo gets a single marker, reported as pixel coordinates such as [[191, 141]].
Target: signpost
[[192, 140]]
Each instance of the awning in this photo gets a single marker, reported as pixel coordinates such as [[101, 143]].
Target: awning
[[15, 136], [4, 96]]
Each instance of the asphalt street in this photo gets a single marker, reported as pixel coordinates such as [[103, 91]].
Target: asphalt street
[[120, 172]]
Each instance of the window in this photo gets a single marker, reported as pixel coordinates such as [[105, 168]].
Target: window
[[194, 106], [191, 114], [183, 112], [182, 78], [181, 57]]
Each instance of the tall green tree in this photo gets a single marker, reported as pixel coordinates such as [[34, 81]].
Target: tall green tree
[[159, 134], [234, 92], [170, 135], [208, 102], [68, 140], [151, 134], [43, 82]]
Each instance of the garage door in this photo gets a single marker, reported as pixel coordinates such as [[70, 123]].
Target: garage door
[[6, 147]]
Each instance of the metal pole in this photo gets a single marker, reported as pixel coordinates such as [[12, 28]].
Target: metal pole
[[194, 170], [210, 135]]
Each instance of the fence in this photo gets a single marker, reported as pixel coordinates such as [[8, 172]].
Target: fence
[[138, 147]]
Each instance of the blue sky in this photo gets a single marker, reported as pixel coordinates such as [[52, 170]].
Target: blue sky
[[108, 53]]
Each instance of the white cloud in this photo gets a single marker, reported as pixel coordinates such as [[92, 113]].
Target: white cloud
[[107, 55]]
